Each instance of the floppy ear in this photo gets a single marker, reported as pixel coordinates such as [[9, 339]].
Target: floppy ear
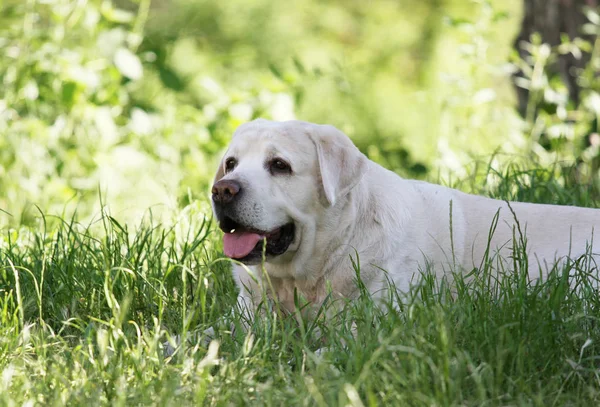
[[341, 164]]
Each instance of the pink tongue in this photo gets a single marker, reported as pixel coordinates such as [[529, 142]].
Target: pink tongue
[[238, 244]]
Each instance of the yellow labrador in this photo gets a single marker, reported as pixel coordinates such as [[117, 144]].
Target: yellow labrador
[[309, 198]]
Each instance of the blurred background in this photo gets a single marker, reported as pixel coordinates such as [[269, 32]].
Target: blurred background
[[131, 103]]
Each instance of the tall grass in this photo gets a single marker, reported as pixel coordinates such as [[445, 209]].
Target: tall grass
[[85, 311]]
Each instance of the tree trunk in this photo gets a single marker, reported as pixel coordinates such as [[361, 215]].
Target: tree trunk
[[551, 18]]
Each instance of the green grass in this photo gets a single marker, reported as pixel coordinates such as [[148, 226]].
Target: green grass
[[85, 311]]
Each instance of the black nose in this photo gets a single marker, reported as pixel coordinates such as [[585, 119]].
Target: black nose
[[225, 190]]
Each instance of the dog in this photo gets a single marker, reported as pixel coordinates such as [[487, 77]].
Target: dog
[[297, 200]]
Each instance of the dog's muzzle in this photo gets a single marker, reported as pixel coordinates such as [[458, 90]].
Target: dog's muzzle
[[243, 242]]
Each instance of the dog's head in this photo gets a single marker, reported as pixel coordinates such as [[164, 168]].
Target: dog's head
[[275, 182]]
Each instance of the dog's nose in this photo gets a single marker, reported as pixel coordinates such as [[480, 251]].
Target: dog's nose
[[225, 190]]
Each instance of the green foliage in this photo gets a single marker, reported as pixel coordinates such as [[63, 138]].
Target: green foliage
[[74, 121], [372, 69], [137, 104], [63, 100], [561, 129]]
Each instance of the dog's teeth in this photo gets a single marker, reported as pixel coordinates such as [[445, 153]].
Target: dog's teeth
[[232, 230]]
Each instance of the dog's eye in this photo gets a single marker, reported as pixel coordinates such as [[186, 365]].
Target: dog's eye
[[230, 164], [278, 166]]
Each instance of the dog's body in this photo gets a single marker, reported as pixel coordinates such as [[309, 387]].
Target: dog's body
[[318, 201]]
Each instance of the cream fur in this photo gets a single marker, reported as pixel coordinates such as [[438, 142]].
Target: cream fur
[[342, 204]]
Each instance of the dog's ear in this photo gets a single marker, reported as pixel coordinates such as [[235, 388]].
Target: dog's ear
[[341, 164]]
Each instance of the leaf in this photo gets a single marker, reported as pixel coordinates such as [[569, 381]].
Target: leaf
[[298, 65], [128, 64], [457, 22], [592, 15], [116, 15], [500, 15], [593, 102], [170, 79], [484, 96], [68, 93], [589, 29], [31, 91], [275, 71]]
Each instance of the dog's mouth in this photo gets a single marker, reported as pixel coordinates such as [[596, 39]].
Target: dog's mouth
[[246, 244]]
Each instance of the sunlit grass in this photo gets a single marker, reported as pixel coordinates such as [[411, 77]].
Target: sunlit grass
[[86, 311]]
